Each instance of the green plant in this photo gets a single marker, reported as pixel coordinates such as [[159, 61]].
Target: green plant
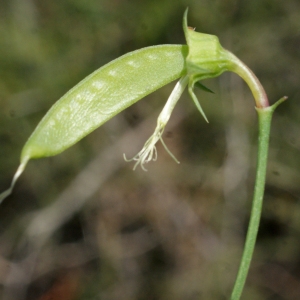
[[124, 81]]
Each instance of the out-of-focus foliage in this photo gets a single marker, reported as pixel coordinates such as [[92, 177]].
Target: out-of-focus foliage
[[83, 225]]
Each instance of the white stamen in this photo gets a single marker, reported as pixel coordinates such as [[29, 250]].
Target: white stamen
[[149, 151]]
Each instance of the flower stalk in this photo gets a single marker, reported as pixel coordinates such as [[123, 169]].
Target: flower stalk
[[258, 92]]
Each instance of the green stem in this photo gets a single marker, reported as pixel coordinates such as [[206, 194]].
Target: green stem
[[265, 112], [238, 67], [264, 120]]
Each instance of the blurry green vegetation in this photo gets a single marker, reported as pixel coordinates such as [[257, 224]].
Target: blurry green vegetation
[[177, 231]]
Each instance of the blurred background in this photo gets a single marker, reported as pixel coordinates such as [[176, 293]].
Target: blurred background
[[83, 224]]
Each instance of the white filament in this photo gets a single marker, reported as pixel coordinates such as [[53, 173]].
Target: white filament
[[149, 151]]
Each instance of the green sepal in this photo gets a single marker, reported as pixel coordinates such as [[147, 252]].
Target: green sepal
[[195, 99], [206, 57], [203, 87]]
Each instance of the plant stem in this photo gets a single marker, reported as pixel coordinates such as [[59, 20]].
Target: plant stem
[[238, 67], [264, 121], [265, 112]]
